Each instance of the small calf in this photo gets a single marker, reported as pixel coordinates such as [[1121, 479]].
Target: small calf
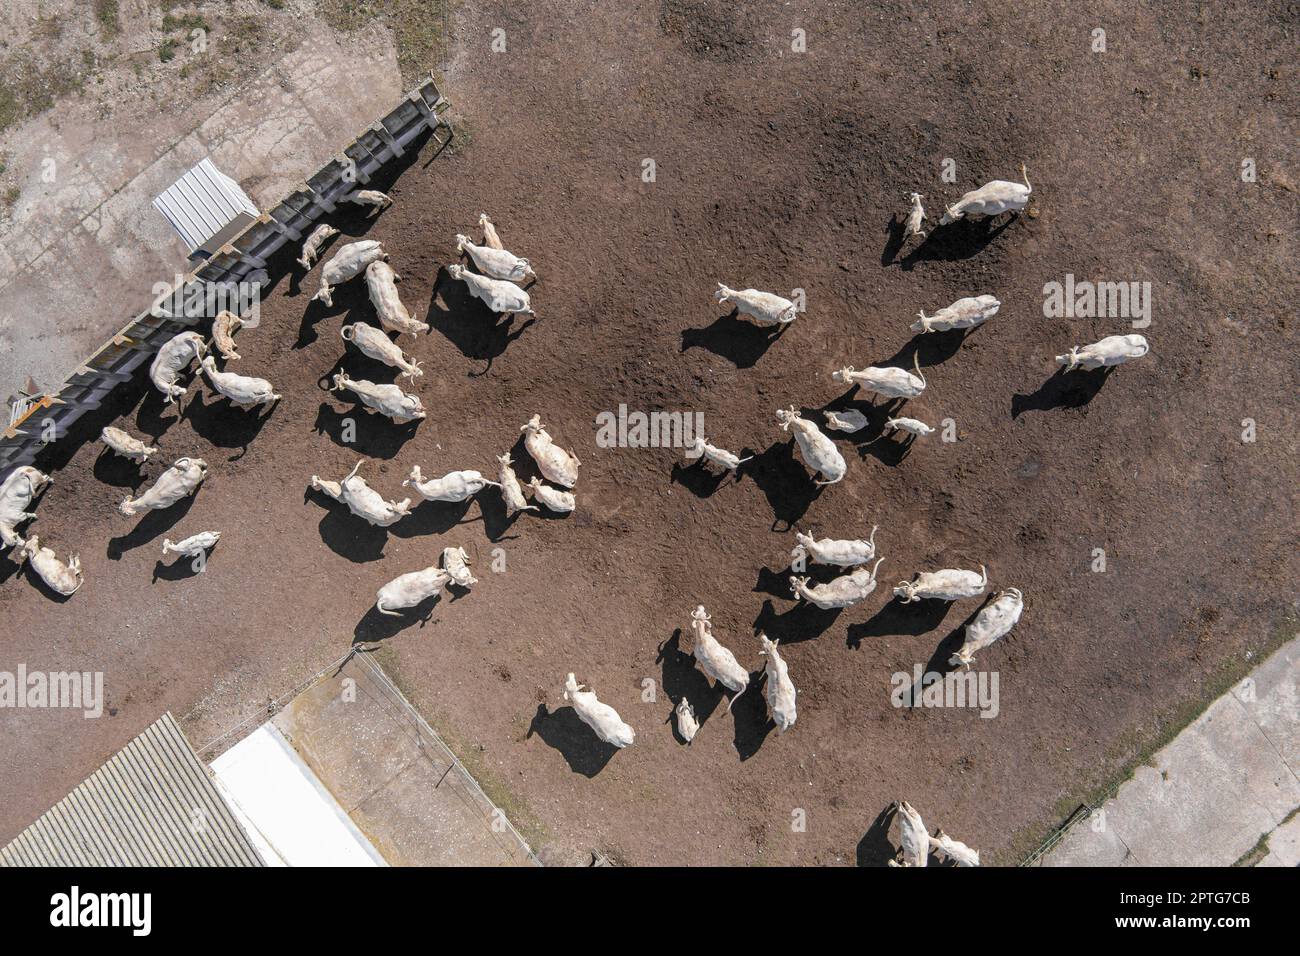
[[490, 237], [455, 561], [700, 450], [561, 502], [61, 578], [368, 197], [512, 491], [687, 725], [846, 420], [601, 718], [915, 218], [192, 546], [946, 848], [913, 426], [1112, 350], [224, 327], [126, 445], [311, 248]]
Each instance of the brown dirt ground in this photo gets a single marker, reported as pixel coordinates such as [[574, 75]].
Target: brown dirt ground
[[775, 170]]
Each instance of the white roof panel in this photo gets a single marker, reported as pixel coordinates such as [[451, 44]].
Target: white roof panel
[[202, 203]]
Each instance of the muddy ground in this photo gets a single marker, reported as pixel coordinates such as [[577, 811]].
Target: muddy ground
[[777, 170]]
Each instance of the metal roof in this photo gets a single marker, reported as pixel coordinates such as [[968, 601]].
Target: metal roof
[[202, 203], [151, 804]]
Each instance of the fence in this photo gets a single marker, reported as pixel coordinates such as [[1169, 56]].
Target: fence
[[242, 259]]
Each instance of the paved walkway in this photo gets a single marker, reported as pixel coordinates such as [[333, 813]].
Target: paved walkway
[[85, 249], [1229, 779]]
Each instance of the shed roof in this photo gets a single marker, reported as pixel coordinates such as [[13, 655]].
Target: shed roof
[[202, 203]]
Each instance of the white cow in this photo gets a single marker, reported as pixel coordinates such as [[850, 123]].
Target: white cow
[[496, 263], [497, 294], [490, 237], [891, 382], [455, 561], [819, 452], [243, 390], [362, 500], [913, 426], [601, 718], [388, 400], [913, 836], [453, 486], [16, 493], [915, 218], [348, 263], [991, 199], [173, 358], [192, 546], [965, 313], [311, 248], [61, 578], [844, 591], [179, 481], [410, 589], [126, 445], [990, 624], [844, 552], [561, 502], [946, 848], [687, 725], [762, 308], [553, 461], [715, 660], [950, 584], [368, 197], [512, 491], [224, 327], [780, 689], [381, 282], [1112, 350], [378, 346], [701, 450], [846, 420]]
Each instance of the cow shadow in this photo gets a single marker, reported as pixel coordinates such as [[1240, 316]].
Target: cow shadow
[[784, 481], [680, 678], [750, 718], [467, 323], [897, 618], [562, 730], [875, 849], [938, 662], [179, 570], [492, 509], [113, 469], [701, 480], [430, 517], [223, 424], [956, 241], [890, 449], [375, 435], [152, 418], [740, 342], [345, 534], [375, 626], [152, 524], [348, 296], [1062, 390], [929, 348], [775, 583], [802, 622]]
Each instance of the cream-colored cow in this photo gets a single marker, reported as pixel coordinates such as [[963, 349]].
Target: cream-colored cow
[[62, 578], [179, 481], [992, 623], [601, 718], [714, 659], [991, 199], [780, 690], [819, 452], [348, 263], [553, 461], [761, 308], [844, 591]]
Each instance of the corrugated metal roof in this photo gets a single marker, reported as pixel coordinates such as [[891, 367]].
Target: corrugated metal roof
[[202, 203], [151, 804]]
